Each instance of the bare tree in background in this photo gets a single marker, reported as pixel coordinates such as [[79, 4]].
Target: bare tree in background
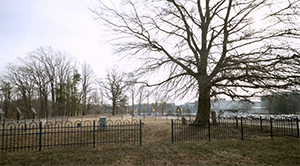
[[65, 65], [6, 92], [114, 87], [42, 63], [51, 72], [87, 79], [209, 48], [141, 97], [49, 81], [19, 77], [133, 89], [40, 78]]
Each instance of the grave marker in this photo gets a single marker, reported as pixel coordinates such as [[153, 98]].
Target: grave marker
[[18, 109], [33, 110], [102, 123]]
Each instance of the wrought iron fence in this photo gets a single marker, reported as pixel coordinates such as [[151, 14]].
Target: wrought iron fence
[[236, 128], [38, 135]]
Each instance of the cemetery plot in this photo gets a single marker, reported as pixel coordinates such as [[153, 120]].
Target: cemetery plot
[[36, 136], [236, 128]]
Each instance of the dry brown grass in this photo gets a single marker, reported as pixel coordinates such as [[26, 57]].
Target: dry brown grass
[[157, 149]]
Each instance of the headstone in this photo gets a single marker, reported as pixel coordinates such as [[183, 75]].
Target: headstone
[[214, 117], [18, 109], [34, 113], [33, 110], [102, 123], [1, 111], [183, 120], [19, 114]]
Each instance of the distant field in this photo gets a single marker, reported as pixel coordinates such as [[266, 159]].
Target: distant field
[[157, 149]]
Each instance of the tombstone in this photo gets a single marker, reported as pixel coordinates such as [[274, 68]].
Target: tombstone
[[19, 111], [19, 114], [183, 120], [34, 113], [102, 123], [214, 117], [1, 113]]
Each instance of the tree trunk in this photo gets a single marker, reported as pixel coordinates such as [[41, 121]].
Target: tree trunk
[[29, 105], [132, 99], [203, 112], [54, 112], [46, 104], [113, 107]]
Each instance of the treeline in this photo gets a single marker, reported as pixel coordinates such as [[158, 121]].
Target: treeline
[[282, 102], [55, 84], [50, 81]]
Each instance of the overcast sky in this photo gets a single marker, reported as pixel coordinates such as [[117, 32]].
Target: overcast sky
[[66, 25]]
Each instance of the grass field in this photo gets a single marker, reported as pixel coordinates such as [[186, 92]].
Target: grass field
[[157, 149]]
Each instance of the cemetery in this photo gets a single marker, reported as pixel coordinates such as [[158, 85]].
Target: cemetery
[[37, 134], [157, 147]]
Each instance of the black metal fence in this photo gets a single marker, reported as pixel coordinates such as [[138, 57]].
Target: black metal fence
[[237, 128], [38, 135]]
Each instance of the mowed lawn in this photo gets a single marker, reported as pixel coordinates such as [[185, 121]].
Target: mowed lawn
[[157, 149]]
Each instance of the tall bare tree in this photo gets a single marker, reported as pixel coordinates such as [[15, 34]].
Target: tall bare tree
[[87, 80], [40, 78], [132, 89], [65, 65], [141, 97], [51, 72], [6, 95], [46, 58], [114, 87], [19, 77], [211, 47]]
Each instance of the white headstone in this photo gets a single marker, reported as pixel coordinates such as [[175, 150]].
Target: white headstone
[[19, 110], [33, 110]]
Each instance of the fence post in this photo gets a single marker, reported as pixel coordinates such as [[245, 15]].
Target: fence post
[[40, 135], [172, 131], [292, 126], [140, 132], [208, 130], [297, 121], [94, 126], [242, 129], [3, 135], [271, 127], [25, 125]]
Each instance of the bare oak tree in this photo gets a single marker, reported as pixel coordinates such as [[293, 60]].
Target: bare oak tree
[[211, 47], [114, 87]]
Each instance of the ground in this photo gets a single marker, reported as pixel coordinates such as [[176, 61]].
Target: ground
[[157, 149]]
